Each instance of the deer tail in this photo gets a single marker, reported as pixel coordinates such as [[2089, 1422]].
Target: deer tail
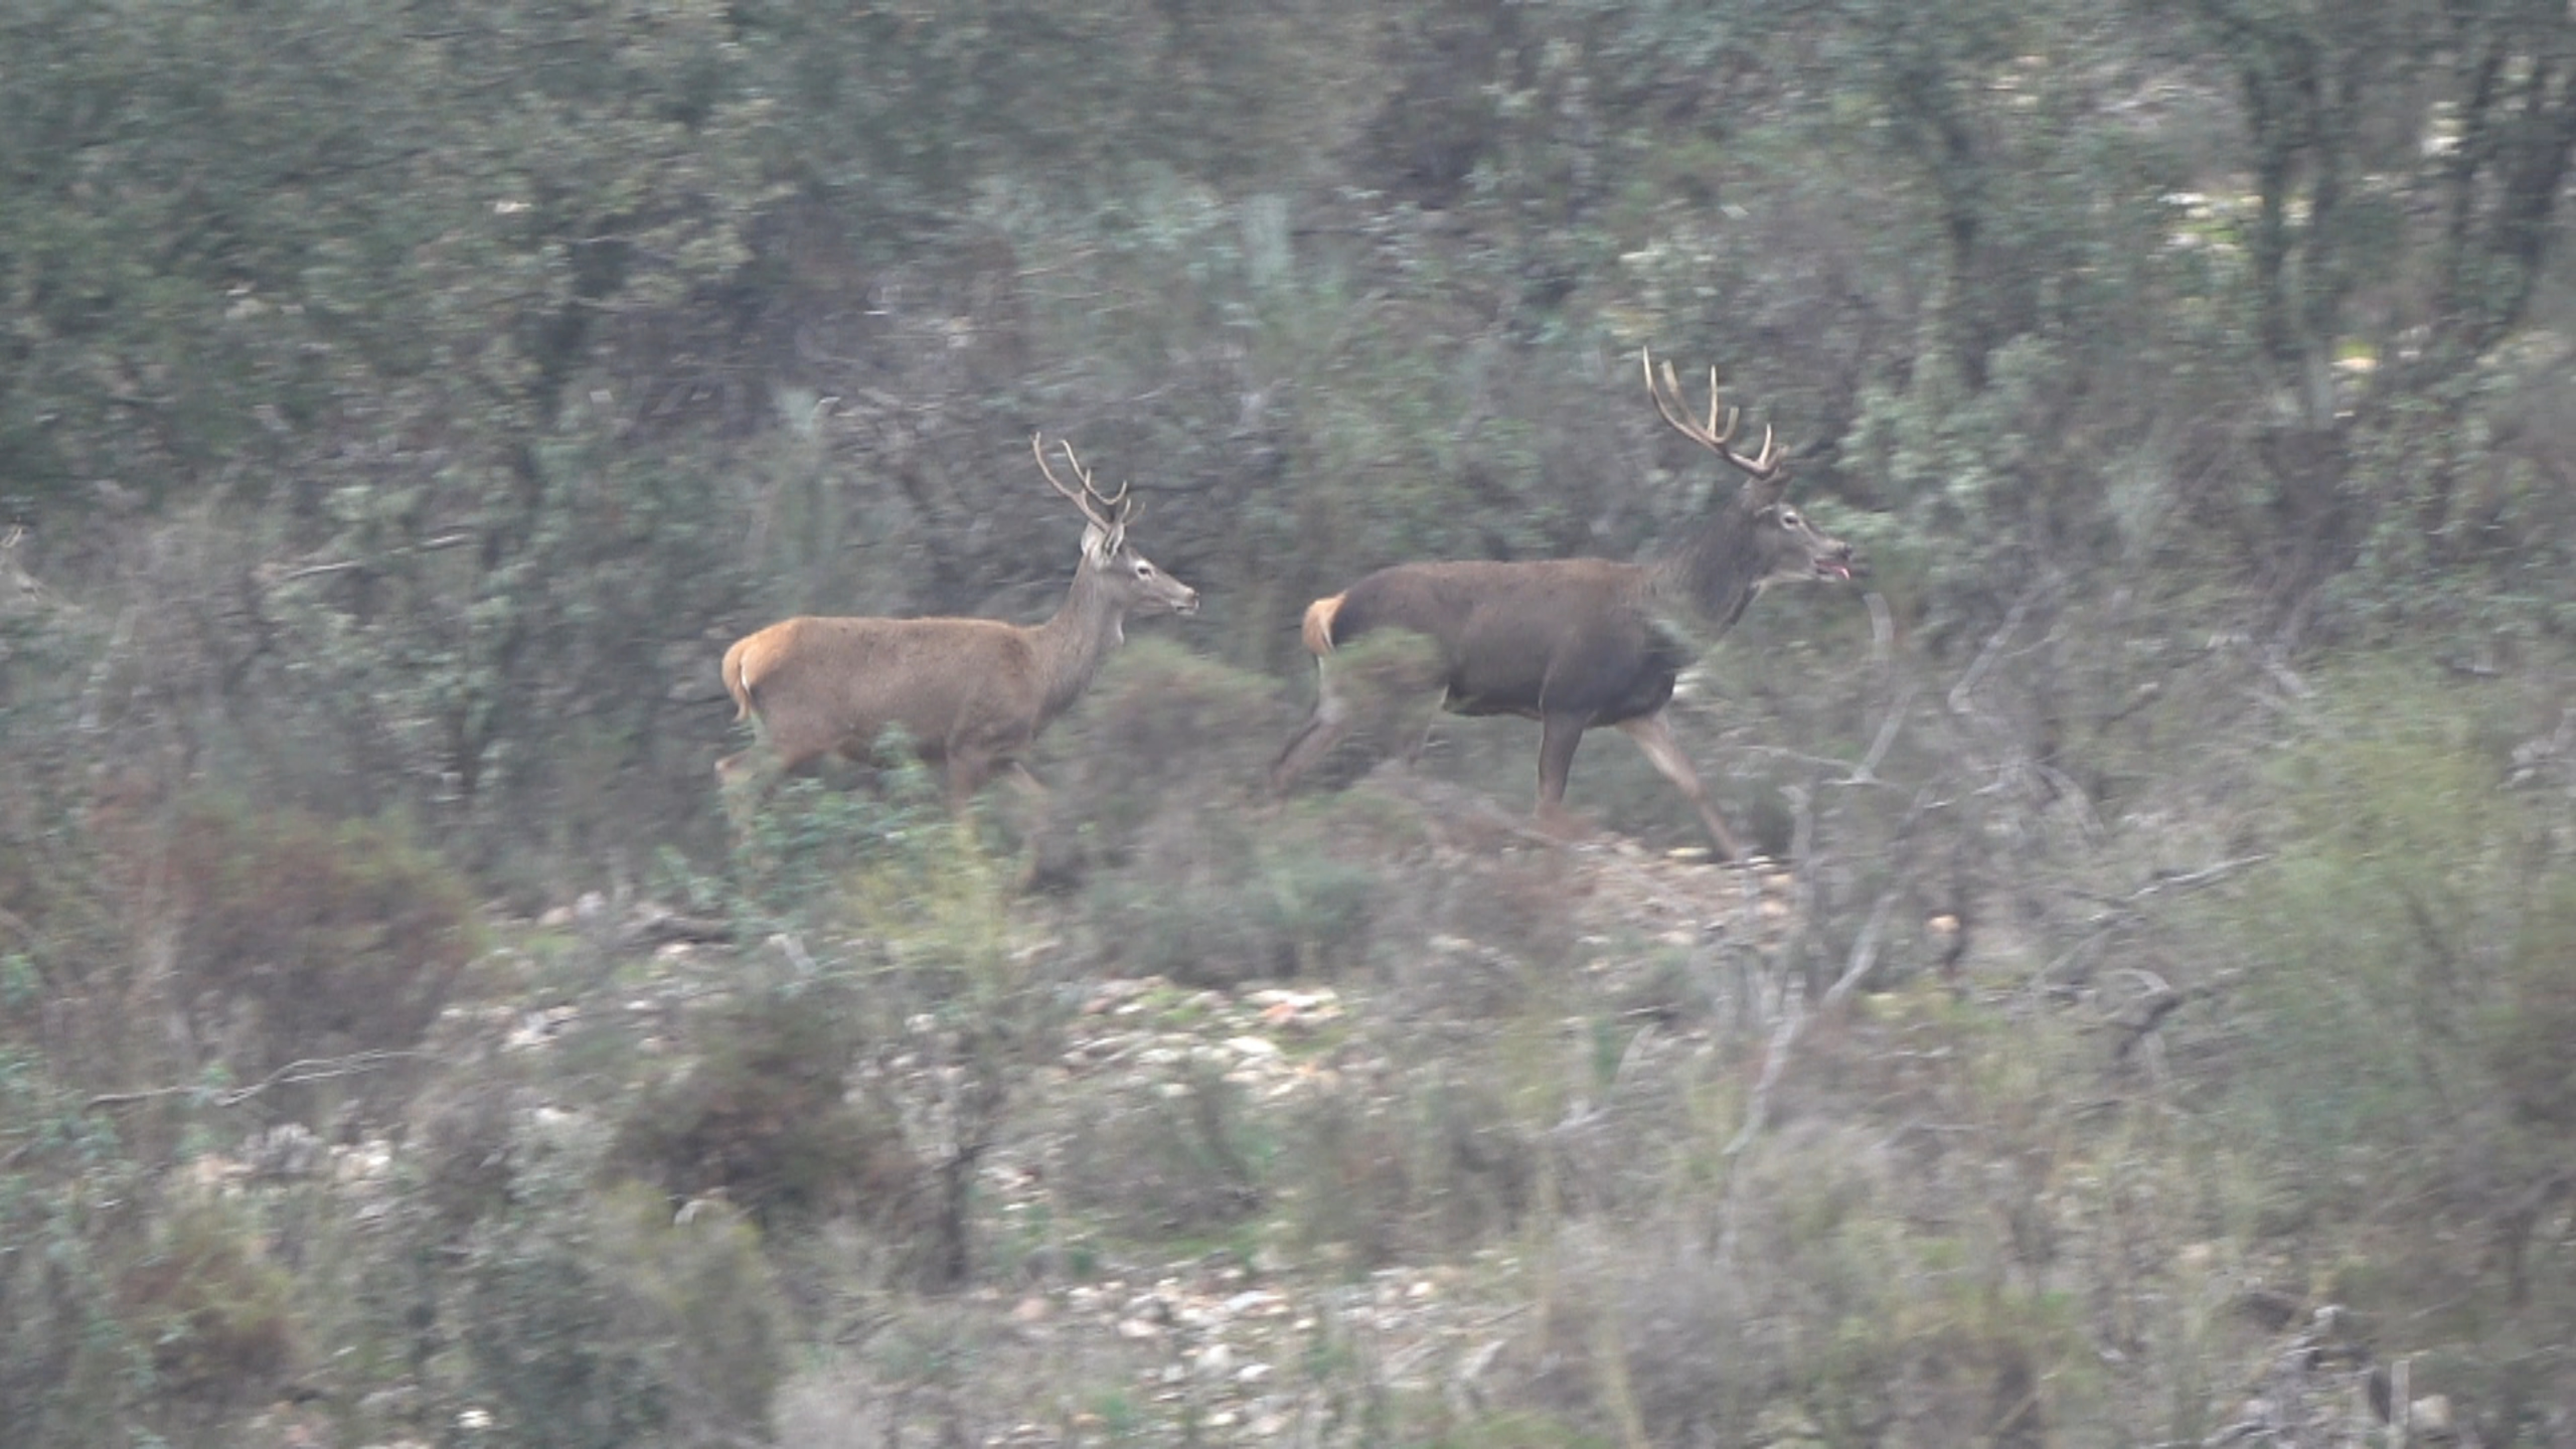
[[736, 680], [1318, 630]]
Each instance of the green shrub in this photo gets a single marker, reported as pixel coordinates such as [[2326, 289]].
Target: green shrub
[[218, 1314], [2408, 957], [2529, 1021], [1162, 1163], [1161, 729], [598, 1320], [791, 868], [2412, 907], [1441, 1166], [759, 1110], [310, 938], [1213, 898]]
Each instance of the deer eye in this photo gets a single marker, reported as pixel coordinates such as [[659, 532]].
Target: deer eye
[[1144, 570], [1788, 520]]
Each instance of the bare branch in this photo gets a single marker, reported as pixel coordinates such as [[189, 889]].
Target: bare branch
[[270, 577], [310, 1069], [1864, 953]]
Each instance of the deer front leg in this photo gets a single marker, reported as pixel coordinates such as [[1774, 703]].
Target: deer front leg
[[1035, 831], [968, 769], [1559, 735], [1654, 735]]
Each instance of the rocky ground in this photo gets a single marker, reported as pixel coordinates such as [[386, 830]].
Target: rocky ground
[[1256, 1339]]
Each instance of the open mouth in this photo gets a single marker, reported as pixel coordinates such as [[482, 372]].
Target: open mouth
[[1834, 568]]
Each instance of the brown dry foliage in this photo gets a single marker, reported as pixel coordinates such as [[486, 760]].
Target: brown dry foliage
[[299, 937]]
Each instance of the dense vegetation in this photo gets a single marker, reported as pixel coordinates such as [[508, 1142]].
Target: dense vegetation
[[2165, 1031]]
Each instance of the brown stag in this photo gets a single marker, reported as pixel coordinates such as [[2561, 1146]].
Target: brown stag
[[970, 694], [1575, 643]]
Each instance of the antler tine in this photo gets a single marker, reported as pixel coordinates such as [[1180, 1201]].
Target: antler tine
[[1081, 497], [1116, 500], [1671, 388], [1719, 431], [1119, 509], [1122, 511], [1727, 434]]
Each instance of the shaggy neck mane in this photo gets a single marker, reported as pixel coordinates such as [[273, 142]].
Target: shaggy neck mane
[[1070, 644], [1717, 571]]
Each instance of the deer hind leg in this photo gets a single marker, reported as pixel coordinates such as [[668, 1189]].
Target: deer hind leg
[[745, 778], [1314, 739], [1654, 735], [1431, 716]]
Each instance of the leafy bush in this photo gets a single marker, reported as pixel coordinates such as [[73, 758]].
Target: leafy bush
[[2413, 902], [2531, 1018], [1442, 1165], [760, 1110], [310, 938], [791, 868], [595, 1320], [218, 1313], [2409, 955], [72, 1346], [1215, 899], [1161, 729], [1162, 1163]]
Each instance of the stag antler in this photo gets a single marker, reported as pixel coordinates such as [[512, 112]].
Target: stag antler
[[1667, 393], [1088, 498]]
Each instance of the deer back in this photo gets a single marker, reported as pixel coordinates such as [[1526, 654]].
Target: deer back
[[1521, 637], [821, 685]]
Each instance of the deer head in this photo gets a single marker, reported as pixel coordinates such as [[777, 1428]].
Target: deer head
[[1786, 548], [1128, 581]]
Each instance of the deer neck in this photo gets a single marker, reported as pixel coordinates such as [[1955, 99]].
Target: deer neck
[[1715, 575], [1071, 645]]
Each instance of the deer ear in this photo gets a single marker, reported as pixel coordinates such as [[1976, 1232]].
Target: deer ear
[[1762, 493], [1100, 544]]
